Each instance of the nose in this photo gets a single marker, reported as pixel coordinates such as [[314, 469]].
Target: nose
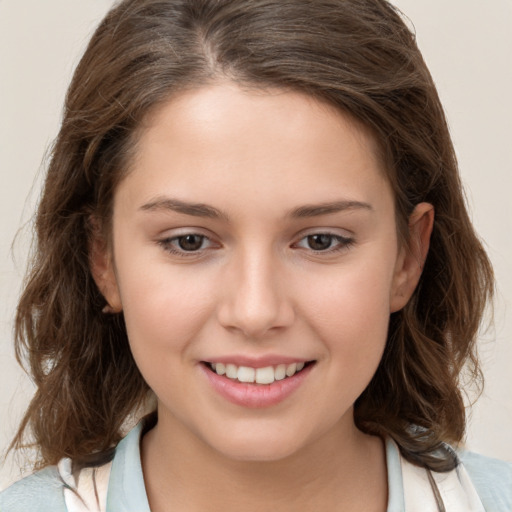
[[255, 299]]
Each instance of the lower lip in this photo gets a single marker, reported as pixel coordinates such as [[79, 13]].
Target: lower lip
[[255, 395]]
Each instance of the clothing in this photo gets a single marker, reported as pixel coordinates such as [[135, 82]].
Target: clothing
[[44, 491]]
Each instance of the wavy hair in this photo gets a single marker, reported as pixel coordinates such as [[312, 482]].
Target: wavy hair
[[357, 55]]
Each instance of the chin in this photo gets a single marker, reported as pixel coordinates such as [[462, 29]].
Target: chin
[[258, 446], [252, 452]]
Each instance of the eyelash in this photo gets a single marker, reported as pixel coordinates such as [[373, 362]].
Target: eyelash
[[344, 243], [167, 245]]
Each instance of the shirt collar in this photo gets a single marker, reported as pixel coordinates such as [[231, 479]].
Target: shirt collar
[[126, 490], [395, 484]]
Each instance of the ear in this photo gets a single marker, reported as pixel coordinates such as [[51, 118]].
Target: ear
[[412, 256], [102, 268]]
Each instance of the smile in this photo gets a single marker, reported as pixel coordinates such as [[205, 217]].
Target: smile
[[266, 375], [257, 385]]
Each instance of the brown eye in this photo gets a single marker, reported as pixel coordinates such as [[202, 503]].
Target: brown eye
[[320, 242], [193, 245], [190, 242], [327, 243]]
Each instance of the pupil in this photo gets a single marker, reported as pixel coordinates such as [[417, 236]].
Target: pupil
[[190, 242], [319, 242]]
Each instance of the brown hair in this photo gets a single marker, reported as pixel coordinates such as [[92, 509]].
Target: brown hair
[[357, 55]]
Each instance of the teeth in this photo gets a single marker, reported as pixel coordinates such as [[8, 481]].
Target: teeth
[[265, 375], [291, 369], [231, 371], [280, 372], [246, 374]]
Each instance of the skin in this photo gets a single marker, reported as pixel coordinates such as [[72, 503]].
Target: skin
[[256, 287]]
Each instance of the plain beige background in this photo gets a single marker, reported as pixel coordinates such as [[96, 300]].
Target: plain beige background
[[466, 43]]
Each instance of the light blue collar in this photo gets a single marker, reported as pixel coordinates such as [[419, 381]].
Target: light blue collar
[[395, 484], [126, 491]]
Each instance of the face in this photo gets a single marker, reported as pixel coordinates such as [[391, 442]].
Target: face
[[255, 234]]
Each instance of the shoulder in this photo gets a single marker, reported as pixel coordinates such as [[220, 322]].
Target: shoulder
[[39, 492], [117, 477], [492, 479]]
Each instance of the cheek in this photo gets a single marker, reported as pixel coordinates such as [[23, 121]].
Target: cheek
[[350, 313], [351, 294], [164, 309]]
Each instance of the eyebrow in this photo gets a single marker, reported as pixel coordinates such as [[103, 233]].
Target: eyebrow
[[316, 210], [194, 209], [204, 210]]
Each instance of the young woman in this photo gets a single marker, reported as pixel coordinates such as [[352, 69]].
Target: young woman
[[253, 218]]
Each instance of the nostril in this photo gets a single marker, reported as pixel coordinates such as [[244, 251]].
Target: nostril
[[255, 308]]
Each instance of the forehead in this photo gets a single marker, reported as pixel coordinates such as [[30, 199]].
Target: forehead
[[226, 106], [222, 139]]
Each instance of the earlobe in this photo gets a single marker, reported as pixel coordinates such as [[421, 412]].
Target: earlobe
[[412, 255], [102, 270]]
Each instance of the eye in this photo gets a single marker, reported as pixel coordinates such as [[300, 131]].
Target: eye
[[190, 242], [324, 242], [186, 244]]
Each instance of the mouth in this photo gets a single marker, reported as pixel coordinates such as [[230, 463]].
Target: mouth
[[257, 376]]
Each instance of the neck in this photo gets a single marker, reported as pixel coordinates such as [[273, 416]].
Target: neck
[[342, 470]]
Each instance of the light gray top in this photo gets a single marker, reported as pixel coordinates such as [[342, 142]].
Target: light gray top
[[44, 490]]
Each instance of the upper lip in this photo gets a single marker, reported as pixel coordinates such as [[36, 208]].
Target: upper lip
[[256, 362]]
